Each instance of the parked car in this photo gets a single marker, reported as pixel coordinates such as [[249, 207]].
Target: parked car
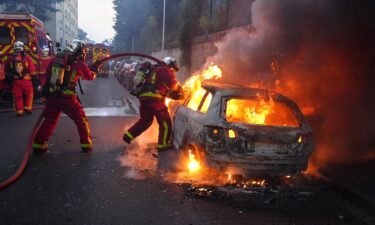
[[129, 74], [117, 68], [124, 68], [230, 128]]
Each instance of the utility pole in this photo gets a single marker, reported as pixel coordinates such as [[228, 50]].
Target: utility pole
[[133, 43], [210, 10], [163, 35]]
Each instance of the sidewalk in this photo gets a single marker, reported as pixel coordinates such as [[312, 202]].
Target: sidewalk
[[358, 178]]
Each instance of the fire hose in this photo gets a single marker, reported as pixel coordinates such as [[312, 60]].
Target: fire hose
[[27, 152], [12, 110]]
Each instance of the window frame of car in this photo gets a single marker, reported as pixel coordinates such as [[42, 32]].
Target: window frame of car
[[224, 100], [201, 103]]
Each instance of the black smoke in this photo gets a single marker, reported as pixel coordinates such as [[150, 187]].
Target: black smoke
[[322, 55]]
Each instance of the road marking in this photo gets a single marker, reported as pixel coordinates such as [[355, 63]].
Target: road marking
[[109, 111]]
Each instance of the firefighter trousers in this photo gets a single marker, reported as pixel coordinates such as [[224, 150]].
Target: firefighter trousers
[[23, 93], [74, 110], [147, 110]]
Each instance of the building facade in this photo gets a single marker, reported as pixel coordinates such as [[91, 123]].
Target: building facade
[[63, 24]]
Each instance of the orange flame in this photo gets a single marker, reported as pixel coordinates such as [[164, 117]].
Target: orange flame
[[194, 84], [193, 164], [240, 110]]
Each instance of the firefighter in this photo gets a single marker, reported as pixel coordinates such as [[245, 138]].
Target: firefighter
[[19, 68], [157, 83], [62, 76]]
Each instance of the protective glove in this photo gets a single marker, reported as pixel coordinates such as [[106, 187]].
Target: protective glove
[[94, 67]]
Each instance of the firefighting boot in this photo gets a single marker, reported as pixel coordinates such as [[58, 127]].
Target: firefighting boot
[[86, 149], [126, 138], [28, 111], [39, 151], [20, 113], [162, 148]]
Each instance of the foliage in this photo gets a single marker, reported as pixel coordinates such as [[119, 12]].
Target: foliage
[[139, 24], [142, 22], [206, 24], [130, 19], [38, 8], [189, 27]]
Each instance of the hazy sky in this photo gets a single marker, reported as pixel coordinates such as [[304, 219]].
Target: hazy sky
[[96, 17]]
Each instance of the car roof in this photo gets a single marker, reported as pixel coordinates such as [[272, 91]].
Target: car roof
[[230, 90]]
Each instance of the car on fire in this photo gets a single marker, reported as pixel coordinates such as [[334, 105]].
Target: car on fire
[[247, 131]]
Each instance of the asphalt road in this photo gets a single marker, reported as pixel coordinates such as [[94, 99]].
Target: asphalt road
[[65, 186]]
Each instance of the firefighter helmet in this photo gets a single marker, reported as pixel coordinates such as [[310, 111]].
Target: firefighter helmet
[[80, 47], [76, 47], [171, 63], [18, 46], [69, 49]]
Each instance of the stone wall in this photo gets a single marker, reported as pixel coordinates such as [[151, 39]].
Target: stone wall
[[203, 47]]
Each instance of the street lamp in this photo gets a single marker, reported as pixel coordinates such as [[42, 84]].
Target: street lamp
[[163, 35]]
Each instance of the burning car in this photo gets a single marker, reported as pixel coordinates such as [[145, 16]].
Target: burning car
[[243, 130]]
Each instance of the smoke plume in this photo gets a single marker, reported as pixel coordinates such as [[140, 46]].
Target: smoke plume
[[139, 157], [320, 53]]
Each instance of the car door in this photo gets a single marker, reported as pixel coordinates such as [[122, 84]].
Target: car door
[[189, 118]]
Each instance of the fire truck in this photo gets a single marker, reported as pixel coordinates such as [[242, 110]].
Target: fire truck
[[97, 52], [32, 32]]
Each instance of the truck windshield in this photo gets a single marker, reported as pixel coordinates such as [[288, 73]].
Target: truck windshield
[[21, 34], [260, 112], [42, 42], [4, 35]]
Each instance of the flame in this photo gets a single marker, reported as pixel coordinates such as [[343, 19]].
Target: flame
[[193, 164], [241, 110], [194, 84], [168, 101]]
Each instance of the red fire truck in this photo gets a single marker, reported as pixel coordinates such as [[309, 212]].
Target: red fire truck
[[32, 32], [97, 52]]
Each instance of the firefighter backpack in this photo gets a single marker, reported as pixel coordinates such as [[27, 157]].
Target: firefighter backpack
[[18, 66], [60, 70]]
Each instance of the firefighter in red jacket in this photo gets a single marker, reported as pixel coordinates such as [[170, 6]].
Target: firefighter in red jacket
[[19, 68], [62, 76], [159, 82]]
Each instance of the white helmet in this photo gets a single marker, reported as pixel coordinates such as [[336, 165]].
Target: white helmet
[[75, 47], [171, 63], [18, 46]]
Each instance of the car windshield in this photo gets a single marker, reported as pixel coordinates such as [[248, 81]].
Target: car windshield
[[200, 100], [21, 34], [260, 112], [4, 35]]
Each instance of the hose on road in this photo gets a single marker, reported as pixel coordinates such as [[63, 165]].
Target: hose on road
[[26, 155], [12, 110]]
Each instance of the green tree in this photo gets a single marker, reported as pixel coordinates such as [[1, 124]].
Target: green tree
[[38, 8], [139, 24], [189, 28], [130, 20]]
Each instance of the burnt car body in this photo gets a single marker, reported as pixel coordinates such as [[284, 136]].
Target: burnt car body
[[241, 147]]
